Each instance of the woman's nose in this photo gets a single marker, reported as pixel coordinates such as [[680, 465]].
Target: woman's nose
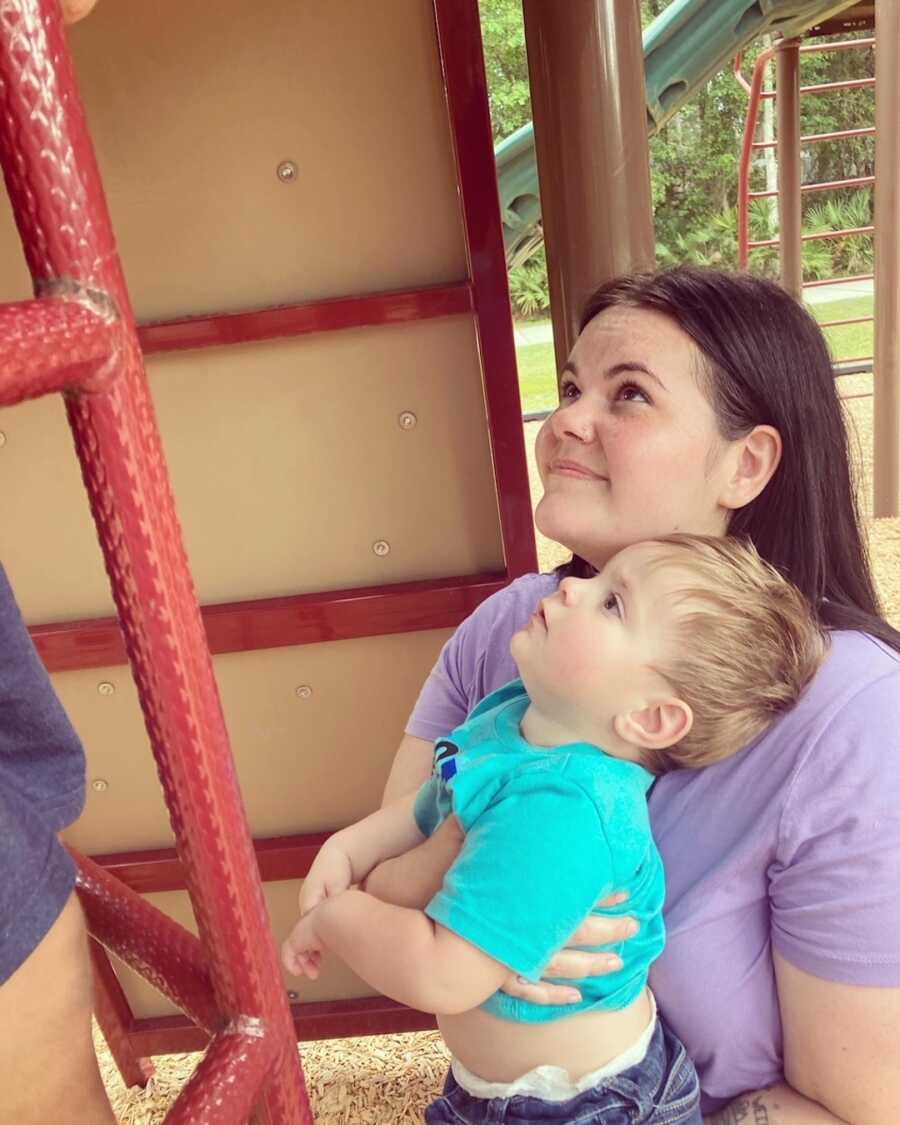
[[575, 419]]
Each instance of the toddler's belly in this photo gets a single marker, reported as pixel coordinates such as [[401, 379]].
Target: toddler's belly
[[503, 1050]]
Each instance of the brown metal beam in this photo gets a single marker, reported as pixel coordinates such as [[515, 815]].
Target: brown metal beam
[[886, 384], [585, 61]]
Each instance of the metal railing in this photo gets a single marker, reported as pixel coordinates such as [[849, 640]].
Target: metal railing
[[756, 94]]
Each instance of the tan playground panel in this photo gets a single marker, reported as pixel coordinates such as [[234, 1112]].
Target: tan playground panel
[[286, 456]]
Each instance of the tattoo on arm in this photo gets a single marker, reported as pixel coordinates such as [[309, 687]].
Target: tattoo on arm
[[744, 1111]]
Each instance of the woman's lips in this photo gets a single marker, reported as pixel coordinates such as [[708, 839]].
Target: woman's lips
[[574, 469]]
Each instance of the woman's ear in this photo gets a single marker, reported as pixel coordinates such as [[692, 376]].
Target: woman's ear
[[657, 726], [754, 462]]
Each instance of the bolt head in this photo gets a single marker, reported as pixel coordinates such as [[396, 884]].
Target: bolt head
[[381, 547], [2, 439], [287, 171], [106, 688], [99, 785], [407, 420], [304, 691]]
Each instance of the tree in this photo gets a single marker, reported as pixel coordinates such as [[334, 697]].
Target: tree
[[503, 33]]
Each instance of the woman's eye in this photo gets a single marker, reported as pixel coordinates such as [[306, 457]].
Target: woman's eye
[[568, 390], [613, 605], [631, 392]]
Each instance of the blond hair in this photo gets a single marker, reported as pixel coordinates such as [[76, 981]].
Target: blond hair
[[742, 646]]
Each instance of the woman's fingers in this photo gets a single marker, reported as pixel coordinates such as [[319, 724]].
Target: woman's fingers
[[600, 929], [543, 992], [575, 964], [613, 900]]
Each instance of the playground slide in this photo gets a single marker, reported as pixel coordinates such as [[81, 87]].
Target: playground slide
[[691, 41]]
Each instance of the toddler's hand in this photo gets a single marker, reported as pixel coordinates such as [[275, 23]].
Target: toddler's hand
[[301, 953], [330, 874]]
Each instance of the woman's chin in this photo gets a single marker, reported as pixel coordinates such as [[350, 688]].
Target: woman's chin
[[550, 520]]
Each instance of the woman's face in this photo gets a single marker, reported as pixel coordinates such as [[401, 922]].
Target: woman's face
[[633, 450]]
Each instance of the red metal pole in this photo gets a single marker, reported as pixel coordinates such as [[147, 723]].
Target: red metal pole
[[759, 71], [57, 197], [77, 346]]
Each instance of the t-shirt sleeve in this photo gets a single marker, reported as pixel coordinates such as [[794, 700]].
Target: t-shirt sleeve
[[532, 866], [835, 885]]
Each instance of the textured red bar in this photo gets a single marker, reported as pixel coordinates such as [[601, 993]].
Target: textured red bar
[[331, 1019], [53, 345], [152, 943], [228, 1077], [299, 320], [60, 210], [114, 1016], [277, 622], [159, 869]]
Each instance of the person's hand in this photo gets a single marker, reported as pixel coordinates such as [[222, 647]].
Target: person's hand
[[301, 952], [574, 964], [414, 878], [73, 10], [330, 874]]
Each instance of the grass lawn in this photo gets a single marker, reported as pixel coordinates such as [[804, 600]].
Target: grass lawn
[[537, 365]]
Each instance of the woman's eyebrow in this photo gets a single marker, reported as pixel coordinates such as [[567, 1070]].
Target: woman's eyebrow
[[633, 365]]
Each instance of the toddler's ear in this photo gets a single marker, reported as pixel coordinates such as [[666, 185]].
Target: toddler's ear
[[657, 726]]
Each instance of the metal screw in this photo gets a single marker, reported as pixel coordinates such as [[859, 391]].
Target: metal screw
[[99, 785], [381, 547], [407, 420], [106, 688], [292, 996], [287, 171], [304, 691], [2, 438]]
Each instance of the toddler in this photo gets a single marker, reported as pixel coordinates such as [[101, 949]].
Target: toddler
[[677, 654]]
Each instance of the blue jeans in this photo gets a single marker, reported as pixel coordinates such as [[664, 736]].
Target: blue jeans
[[663, 1089]]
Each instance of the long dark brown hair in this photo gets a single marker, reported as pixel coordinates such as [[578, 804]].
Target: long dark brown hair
[[767, 363]]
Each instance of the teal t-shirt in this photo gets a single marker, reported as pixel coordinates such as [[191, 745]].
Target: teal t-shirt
[[548, 833]]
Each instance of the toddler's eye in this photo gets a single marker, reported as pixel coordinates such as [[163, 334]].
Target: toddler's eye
[[613, 604]]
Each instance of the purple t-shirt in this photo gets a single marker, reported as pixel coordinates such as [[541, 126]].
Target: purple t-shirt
[[791, 845]]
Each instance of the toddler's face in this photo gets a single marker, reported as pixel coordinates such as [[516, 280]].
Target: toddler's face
[[592, 648]]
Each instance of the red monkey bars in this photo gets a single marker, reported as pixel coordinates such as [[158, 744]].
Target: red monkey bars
[[79, 337]]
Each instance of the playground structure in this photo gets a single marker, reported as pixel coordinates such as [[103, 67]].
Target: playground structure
[[252, 342]]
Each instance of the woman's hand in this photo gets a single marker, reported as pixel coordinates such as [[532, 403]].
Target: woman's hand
[[574, 964], [414, 878]]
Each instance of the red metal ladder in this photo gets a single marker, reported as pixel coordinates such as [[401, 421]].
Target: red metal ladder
[[78, 337]]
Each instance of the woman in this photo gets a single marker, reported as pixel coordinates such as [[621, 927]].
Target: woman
[[702, 402]]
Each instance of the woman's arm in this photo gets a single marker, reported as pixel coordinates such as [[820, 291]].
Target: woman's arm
[[775, 1105], [411, 768], [840, 1056], [840, 1044]]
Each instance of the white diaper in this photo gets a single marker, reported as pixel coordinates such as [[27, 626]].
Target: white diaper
[[552, 1083]]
